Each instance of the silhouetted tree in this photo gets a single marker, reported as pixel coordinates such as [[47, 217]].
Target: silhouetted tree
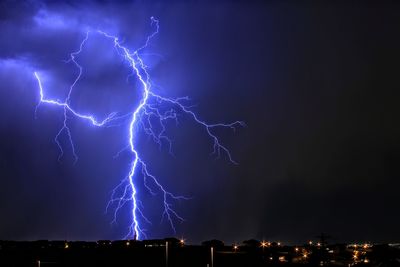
[[213, 243], [172, 241], [252, 243]]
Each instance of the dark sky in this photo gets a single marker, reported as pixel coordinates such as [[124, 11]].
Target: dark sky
[[316, 83]]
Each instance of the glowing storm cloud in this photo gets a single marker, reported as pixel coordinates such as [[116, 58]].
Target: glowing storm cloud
[[147, 108]]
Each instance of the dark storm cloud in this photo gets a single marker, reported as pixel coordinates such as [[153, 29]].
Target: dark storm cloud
[[316, 84]]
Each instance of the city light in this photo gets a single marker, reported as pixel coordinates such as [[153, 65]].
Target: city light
[[355, 255], [302, 255]]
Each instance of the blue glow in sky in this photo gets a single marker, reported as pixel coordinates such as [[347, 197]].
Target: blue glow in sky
[[316, 85], [151, 114]]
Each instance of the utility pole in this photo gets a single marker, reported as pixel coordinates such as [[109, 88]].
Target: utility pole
[[212, 257], [166, 253], [323, 239]]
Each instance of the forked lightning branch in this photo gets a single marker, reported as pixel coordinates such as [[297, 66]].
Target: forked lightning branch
[[147, 110]]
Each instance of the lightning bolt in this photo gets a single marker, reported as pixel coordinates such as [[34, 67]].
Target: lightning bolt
[[147, 110]]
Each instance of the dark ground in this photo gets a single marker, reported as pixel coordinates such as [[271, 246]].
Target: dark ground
[[153, 253]]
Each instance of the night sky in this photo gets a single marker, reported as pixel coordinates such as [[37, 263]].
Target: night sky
[[316, 83]]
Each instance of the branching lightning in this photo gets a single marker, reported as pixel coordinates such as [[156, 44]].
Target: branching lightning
[[147, 110]]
